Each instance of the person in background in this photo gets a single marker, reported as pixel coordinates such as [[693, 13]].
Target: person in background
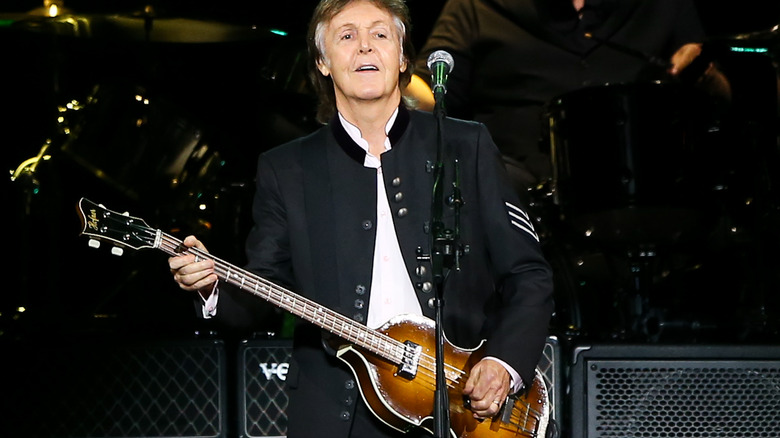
[[512, 57], [344, 217]]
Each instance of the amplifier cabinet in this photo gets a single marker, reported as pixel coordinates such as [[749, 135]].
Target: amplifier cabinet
[[631, 391], [262, 400], [114, 388]]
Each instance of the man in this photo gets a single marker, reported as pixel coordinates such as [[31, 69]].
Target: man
[[344, 218], [513, 57]]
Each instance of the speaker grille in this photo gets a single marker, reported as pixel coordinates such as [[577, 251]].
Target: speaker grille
[[682, 398], [161, 390], [262, 400]]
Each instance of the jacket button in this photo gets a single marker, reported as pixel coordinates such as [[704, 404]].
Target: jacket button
[[421, 271], [427, 286], [396, 181], [403, 212], [349, 384], [432, 303], [344, 415], [367, 225], [359, 304], [358, 317], [398, 197], [360, 289]]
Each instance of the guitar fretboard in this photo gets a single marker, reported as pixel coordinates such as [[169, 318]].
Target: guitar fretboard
[[343, 327]]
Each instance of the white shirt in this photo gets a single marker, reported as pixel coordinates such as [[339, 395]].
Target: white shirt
[[392, 292]]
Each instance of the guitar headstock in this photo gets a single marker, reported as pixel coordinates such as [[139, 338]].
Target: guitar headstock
[[121, 229]]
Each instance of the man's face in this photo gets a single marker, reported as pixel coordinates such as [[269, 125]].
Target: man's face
[[362, 53]]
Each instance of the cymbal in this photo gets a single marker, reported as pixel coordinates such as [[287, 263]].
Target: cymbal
[[763, 41], [772, 34], [179, 30], [141, 28]]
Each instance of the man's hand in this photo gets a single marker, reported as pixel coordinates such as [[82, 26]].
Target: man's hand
[[487, 388], [684, 56], [193, 275]]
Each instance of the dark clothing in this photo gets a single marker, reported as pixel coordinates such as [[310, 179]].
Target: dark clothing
[[511, 57], [314, 212]]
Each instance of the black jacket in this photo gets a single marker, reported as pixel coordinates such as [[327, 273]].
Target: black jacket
[[314, 211]]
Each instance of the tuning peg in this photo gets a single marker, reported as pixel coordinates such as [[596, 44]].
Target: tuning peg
[[117, 251], [93, 243]]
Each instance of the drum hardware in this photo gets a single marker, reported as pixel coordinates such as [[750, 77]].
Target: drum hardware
[[635, 196]]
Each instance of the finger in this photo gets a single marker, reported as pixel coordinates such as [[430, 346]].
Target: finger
[[178, 262], [194, 274], [192, 241], [195, 281], [491, 408]]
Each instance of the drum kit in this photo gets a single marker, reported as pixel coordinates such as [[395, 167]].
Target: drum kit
[[661, 213]]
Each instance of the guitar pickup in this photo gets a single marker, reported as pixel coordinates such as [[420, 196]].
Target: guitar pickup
[[411, 359]]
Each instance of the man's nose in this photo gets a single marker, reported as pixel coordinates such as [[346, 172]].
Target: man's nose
[[365, 45]]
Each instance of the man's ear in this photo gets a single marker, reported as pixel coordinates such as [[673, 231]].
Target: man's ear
[[323, 68]]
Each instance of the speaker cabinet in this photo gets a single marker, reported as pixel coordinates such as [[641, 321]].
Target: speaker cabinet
[[262, 400], [114, 389], [675, 391]]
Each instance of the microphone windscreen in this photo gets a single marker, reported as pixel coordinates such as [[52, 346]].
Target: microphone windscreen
[[441, 56]]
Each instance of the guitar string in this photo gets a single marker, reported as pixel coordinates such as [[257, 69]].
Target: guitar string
[[175, 247]]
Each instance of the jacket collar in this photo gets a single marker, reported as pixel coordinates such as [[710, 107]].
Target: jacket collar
[[353, 150]]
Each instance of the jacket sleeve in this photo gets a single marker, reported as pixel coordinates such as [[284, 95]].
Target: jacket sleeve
[[524, 278]]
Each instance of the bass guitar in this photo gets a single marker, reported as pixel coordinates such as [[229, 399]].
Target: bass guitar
[[395, 364]]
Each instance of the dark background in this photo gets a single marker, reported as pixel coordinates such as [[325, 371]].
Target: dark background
[[229, 96], [222, 88]]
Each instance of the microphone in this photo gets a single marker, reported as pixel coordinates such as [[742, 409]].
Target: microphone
[[440, 64]]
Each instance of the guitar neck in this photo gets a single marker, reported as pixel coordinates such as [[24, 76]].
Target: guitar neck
[[343, 327]]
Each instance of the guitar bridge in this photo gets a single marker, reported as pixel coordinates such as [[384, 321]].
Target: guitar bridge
[[411, 359]]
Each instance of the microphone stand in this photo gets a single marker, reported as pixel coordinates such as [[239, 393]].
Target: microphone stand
[[444, 255]]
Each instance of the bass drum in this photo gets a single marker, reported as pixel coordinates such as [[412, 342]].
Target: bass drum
[[626, 162]]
